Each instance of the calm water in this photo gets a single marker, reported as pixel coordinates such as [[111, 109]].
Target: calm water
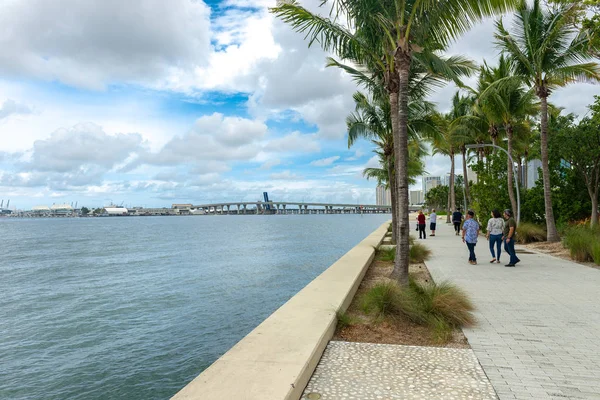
[[134, 308]]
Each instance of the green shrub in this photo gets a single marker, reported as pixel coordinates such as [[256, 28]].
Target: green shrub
[[422, 302], [381, 300], [344, 319], [418, 253], [386, 255], [441, 332], [582, 242], [596, 252], [529, 233], [441, 307]]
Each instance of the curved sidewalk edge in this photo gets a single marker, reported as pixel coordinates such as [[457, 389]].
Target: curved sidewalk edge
[[276, 360]]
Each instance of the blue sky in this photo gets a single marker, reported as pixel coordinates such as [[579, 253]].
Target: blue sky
[[151, 102]]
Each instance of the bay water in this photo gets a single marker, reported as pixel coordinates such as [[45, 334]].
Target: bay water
[[136, 307]]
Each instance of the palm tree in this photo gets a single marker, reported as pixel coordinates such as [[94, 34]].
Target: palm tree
[[508, 103], [548, 52], [391, 35], [372, 120]]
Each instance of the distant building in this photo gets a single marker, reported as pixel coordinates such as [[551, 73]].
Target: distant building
[[416, 197], [445, 180], [41, 210], [61, 210], [429, 182], [114, 211], [383, 196], [533, 172], [182, 206], [471, 175]]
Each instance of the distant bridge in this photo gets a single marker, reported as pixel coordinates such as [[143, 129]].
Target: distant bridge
[[283, 207]]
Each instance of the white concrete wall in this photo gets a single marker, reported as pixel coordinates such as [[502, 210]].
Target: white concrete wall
[[276, 360]]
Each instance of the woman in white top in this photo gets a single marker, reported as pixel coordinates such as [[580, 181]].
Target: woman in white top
[[495, 227]]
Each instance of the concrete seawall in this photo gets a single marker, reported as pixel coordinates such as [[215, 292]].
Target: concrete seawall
[[276, 360]]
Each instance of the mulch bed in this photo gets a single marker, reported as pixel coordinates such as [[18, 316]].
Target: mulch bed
[[556, 249], [398, 330]]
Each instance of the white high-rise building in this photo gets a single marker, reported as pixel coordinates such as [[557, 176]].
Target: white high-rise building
[[445, 180], [429, 182], [416, 197], [383, 196], [533, 172]]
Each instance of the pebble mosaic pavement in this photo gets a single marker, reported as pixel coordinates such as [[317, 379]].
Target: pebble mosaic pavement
[[366, 371]]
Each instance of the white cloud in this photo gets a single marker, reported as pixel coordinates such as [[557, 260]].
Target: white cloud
[[357, 154], [267, 165], [325, 161], [284, 175], [294, 142], [11, 107], [213, 138], [90, 43], [81, 147]]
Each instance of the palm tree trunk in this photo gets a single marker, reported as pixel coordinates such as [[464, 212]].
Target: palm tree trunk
[[452, 194], [466, 179], [552, 233], [594, 197], [399, 111], [525, 171], [392, 181], [448, 208], [510, 168]]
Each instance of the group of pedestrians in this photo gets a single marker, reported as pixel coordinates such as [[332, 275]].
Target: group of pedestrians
[[422, 222], [499, 230]]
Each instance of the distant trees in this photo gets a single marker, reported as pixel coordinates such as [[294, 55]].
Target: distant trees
[[85, 211]]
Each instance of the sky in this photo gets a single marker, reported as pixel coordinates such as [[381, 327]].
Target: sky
[[154, 102]]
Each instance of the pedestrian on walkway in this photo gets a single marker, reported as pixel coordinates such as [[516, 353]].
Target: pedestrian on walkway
[[510, 230], [432, 222], [470, 231], [456, 220], [421, 221], [495, 229]]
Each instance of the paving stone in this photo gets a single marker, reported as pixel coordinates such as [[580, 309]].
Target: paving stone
[[539, 320], [366, 371]]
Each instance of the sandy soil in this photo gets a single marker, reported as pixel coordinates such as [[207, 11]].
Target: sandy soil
[[391, 331]]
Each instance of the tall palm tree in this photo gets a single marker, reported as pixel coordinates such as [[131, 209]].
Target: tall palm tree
[[548, 52], [372, 120], [507, 102], [391, 34], [451, 138]]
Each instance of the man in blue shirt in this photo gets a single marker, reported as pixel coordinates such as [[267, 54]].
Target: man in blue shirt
[[470, 231]]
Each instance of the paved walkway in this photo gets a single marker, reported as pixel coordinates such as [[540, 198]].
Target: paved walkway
[[366, 371], [538, 335]]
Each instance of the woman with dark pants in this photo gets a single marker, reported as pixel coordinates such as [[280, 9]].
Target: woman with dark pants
[[421, 221], [495, 228]]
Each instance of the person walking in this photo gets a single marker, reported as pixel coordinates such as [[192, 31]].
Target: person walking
[[456, 220], [510, 230], [470, 231], [432, 222], [421, 221], [495, 229]]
